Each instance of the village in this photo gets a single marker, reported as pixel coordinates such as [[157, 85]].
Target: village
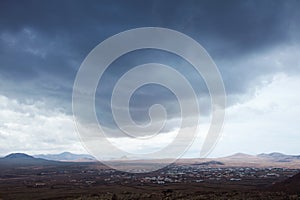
[[173, 174]]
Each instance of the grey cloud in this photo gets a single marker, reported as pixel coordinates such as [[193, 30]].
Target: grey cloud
[[43, 43]]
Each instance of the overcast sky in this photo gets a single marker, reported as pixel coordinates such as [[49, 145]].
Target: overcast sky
[[255, 44]]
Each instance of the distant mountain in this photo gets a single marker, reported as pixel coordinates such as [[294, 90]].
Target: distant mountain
[[67, 156], [261, 160], [274, 157], [21, 159], [240, 156], [278, 157], [18, 156]]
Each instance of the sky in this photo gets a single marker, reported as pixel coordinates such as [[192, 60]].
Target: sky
[[255, 45]]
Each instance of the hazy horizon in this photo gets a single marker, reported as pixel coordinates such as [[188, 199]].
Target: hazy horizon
[[132, 158]]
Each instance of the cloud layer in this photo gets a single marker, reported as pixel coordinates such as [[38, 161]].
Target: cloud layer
[[255, 45]]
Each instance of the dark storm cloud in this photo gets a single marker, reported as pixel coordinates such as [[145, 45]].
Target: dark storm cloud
[[42, 43]]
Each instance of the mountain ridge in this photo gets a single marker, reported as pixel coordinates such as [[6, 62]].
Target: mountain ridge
[[71, 157], [18, 155], [22, 159], [67, 156]]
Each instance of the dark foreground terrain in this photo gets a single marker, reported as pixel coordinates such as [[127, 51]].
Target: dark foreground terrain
[[94, 181], [24, 177]]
